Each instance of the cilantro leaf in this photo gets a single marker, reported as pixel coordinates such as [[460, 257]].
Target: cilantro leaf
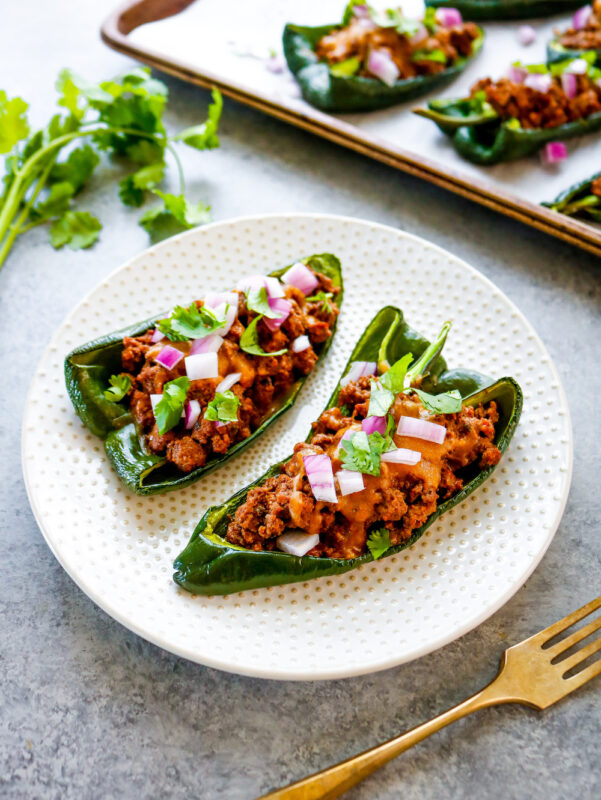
[[190, 323], [446, 403], [78, 229], [324, 298], [249, 341], [176, 215], [145, 151], [132, 188], [345, 68], [257, 300], [77, 167], [380, 400], [345, 410], [13, 122], [379, 542], [204, 136], [56, 203], [223, 408], [119, 387], [437, 55], [168, 410], [361, 452], [394, 378]]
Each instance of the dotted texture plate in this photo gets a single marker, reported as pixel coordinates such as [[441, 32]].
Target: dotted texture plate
[[119, 548]]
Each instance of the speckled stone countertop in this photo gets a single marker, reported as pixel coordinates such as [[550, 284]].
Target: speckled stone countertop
[[88, 709]]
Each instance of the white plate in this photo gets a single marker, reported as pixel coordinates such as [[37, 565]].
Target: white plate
[[119, 548]]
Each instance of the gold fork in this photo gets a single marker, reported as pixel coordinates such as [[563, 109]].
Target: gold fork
[[532, 672]]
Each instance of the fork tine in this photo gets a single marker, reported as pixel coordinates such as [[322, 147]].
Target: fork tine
[[574, 638], [579, 656], [567, 622], [578, 680]]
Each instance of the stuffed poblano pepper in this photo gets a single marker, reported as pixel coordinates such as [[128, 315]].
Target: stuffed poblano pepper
[[584, 34], [535, 107], [175, 398], [374, 59], [506, 9], [581, 200], [402, 440]]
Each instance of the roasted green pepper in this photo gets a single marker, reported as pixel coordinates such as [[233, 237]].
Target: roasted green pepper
[[328, 91], [482, 137], [557, 52], [211, 565], [579, 200], [87, 372], [507, 9]]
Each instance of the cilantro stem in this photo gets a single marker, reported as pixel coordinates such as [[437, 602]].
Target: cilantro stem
[[180, 171], [24, 177]]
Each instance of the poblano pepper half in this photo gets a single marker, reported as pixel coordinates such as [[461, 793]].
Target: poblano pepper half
[[580, 200], [506, 9], [87, 372], [326, 87], [211, 565], [480, 135]]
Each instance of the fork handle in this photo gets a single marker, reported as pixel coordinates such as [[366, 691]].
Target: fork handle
[[333, 781]]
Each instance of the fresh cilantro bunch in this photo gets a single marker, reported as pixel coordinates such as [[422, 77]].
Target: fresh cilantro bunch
[[46, 169]]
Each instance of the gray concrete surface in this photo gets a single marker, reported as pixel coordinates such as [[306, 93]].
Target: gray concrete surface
[[88, 709]]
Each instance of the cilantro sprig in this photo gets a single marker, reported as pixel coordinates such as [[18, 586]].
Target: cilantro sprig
[[121, 118], [361, 452], [257, 300], [223, 407], [168, 410], [119, 386], [378, 542], [323, 298], [385, 389], [190, 323]]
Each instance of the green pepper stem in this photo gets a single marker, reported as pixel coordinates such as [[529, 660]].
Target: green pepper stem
[[420, 367]]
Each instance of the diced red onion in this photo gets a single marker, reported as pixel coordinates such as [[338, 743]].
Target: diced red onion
[[539, 82], [154, 399], [381, 65], [320, 476], [229, 381], [250, 282], [526, 35], [577, 67], [209, 344], [516, 74], [283, 307], [217, 302], [297, 544], [300, 276], [554, 152], [276, 64], [361, 11], [192, 413], [421, 429], [374, 425], [402, 455], [157, 336], [358, 370], [215, 299], [581, 17], [350, 482], [448, 17], [201, 366], [569, 83], [274, 287], [420, 34], [169, 357], [301, 343]]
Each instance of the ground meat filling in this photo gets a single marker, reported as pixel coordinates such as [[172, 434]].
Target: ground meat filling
[[359, 37], [401, 498], [263, 383], [586, 38], [536, 109]]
